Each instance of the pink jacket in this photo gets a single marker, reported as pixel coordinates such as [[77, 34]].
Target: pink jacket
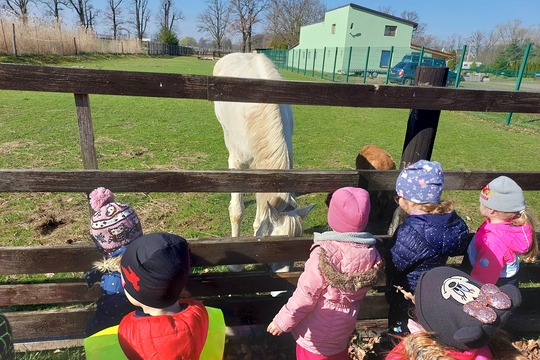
[[496, 246], [322, 312]]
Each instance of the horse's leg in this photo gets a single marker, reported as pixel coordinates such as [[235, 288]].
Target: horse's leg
[[236, 213], [262, 221]]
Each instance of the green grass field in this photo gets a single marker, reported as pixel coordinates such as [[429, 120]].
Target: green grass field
[[39, 130]]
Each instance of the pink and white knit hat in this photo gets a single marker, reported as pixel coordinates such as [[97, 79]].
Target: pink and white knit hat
[[113, 224]]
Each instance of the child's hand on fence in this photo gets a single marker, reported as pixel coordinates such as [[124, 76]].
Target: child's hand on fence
[[274, 329]]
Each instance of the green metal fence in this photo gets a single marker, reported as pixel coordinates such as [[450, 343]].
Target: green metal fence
[[363, 64], [353, 64]]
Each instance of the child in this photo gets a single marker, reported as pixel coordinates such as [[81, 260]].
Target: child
[[155, 269], [507, 232], [429, 234], [458, 318], [113, 226], [343, 265]]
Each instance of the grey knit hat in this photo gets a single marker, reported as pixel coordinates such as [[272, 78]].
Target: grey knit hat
[[503, 194]]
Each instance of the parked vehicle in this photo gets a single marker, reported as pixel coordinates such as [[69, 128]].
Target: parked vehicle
[[426, 61], [404, 73]]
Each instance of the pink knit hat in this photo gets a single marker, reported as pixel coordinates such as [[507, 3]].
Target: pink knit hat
[[349, 210], [113, 224]]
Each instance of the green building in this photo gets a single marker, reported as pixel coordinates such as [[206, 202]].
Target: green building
[[351, 37]]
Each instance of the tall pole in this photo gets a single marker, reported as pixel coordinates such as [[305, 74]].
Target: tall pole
[[520, 77]]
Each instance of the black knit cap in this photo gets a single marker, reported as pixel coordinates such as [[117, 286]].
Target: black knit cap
[[440, 297], [155, 268]]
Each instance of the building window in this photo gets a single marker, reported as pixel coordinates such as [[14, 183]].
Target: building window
[[333, 28], [390, 30], [385, 59]]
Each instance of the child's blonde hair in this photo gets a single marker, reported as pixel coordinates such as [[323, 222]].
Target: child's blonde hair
[[444, 207], [526, 217], [426, 346]]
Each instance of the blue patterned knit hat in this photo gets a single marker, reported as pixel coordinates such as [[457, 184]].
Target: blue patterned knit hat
[[421, 182]]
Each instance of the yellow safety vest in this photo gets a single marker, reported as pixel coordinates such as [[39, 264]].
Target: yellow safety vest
[[104, 344]]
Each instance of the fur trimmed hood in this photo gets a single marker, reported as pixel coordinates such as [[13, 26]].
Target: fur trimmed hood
[[109, 264], [349, 282]]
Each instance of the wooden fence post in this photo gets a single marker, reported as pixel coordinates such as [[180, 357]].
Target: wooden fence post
[[86, 134], [14, 42], [4, 34], [422, 125], [86, 131]]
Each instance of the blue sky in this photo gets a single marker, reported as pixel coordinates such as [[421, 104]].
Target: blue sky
[[443, 18]]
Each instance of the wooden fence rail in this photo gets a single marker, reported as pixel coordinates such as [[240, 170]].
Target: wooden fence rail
[[108, 82], [300, 181]]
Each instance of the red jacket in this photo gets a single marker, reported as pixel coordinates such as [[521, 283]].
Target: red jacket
[[166, 337]]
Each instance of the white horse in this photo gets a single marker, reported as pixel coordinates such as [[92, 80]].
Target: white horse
[[259, 136]]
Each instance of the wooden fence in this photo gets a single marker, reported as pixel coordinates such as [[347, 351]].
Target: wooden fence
[[42, 327]]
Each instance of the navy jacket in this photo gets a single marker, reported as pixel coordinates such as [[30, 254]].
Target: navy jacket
[[423, 242]]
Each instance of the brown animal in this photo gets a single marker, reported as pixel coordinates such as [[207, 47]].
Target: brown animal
[[372, 157], [383, 207]]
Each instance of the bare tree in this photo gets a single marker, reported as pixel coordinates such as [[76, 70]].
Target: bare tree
[[512, 32], [84, 10], [247, 13], [114, 16], [420, 31], [387, 10], [286, 17], [490, 49], [475, 43], [169, 15], [215, 20], [141, 15], [429, 41], [54, 7], [19, 8]]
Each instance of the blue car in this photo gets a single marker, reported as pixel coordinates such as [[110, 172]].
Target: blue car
[[404, 73]]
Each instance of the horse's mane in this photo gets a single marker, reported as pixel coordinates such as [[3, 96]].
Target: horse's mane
[[266, 138], [263, 68]]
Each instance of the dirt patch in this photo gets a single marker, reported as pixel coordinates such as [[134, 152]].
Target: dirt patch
[[7, 148], [48, 224]]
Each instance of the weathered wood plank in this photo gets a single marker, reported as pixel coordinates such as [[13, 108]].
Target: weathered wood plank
[[199, 285], [50, 324], [86, 131], [48, 293], [243, 310], [301, 181], [250, 310], [47, 345], [87, 81], [205, 252]]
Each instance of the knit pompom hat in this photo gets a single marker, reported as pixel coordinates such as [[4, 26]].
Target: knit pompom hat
[[421, 182], [349, 210], [113, 224], [503, 194]]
